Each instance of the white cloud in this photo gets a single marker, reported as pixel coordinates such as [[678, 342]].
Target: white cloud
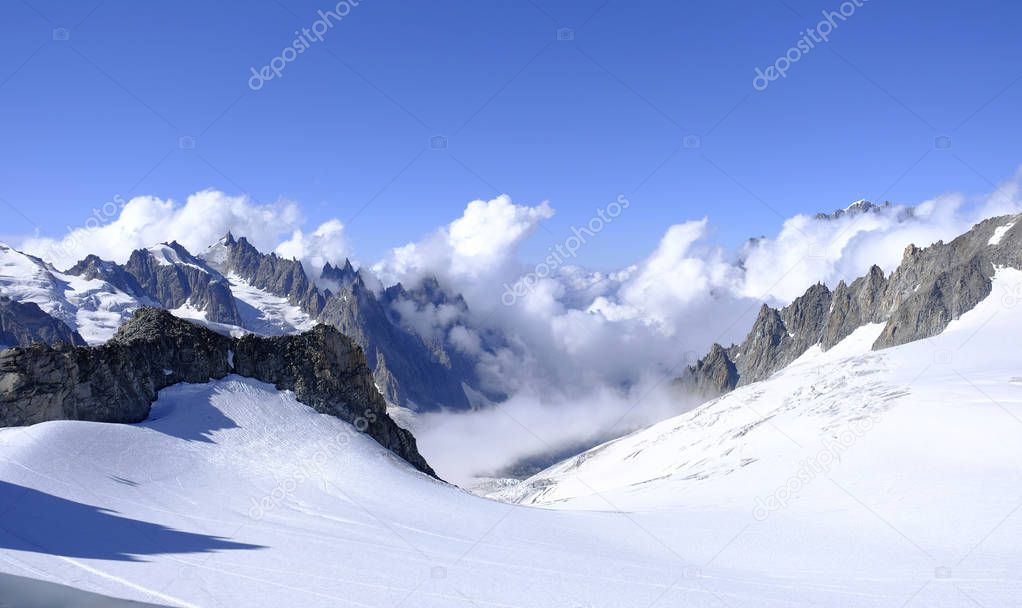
[[119, 227], [489, 231], [463, 446], [478, 245], [327, 243]]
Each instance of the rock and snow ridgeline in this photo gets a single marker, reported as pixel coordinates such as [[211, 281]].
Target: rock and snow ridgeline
[[931, 287]]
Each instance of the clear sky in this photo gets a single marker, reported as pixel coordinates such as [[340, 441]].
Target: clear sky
[[99, 109]]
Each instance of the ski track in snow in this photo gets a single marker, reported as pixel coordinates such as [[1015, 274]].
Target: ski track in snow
[[235, 494]]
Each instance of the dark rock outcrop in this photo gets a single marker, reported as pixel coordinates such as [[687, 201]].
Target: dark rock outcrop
[[329, 372], [24, 323], [767, 344], [805, 318], [712, 376], [118, 381], [855, 305]]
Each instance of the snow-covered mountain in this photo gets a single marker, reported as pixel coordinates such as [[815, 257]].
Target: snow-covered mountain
[[235, 289], [951, 402], [84, 302], [929, 289]]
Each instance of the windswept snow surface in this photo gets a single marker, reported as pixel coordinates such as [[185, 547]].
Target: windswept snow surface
[[267, 314], [165, 255], [234, 494]]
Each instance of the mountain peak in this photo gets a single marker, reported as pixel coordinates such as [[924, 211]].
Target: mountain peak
[[344, 276], [859, 207]]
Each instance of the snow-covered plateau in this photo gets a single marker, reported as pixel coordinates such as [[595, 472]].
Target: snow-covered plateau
[[850, 478]]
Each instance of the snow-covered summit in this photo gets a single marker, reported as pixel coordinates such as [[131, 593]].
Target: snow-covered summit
[[859, 207], [91, 306]]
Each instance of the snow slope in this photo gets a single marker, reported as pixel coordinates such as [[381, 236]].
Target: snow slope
[[267, 314], [235, 494], [262, 313]]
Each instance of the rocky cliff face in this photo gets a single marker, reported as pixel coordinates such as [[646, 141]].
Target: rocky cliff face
[[930, 288], [854, 306], [119, 380], [92, 268], [935, 285], [407, 369], [24, 323], [339, 276], [428, 299], [169, 275], [712, 376]]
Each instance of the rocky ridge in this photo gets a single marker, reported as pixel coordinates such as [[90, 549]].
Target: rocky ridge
[[118, 381], [931, 287], [268, 272], [410, 371], [406, 369], [173, 277], [414, 371]]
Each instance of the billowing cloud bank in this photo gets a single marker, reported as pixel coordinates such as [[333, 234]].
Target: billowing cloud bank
[[591, 354], [118, 227], [586, 354]]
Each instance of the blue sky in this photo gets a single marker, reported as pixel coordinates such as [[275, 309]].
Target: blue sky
[[346, 129]]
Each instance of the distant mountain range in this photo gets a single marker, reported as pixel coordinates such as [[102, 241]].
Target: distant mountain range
[[930, 288], [235, 289]]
